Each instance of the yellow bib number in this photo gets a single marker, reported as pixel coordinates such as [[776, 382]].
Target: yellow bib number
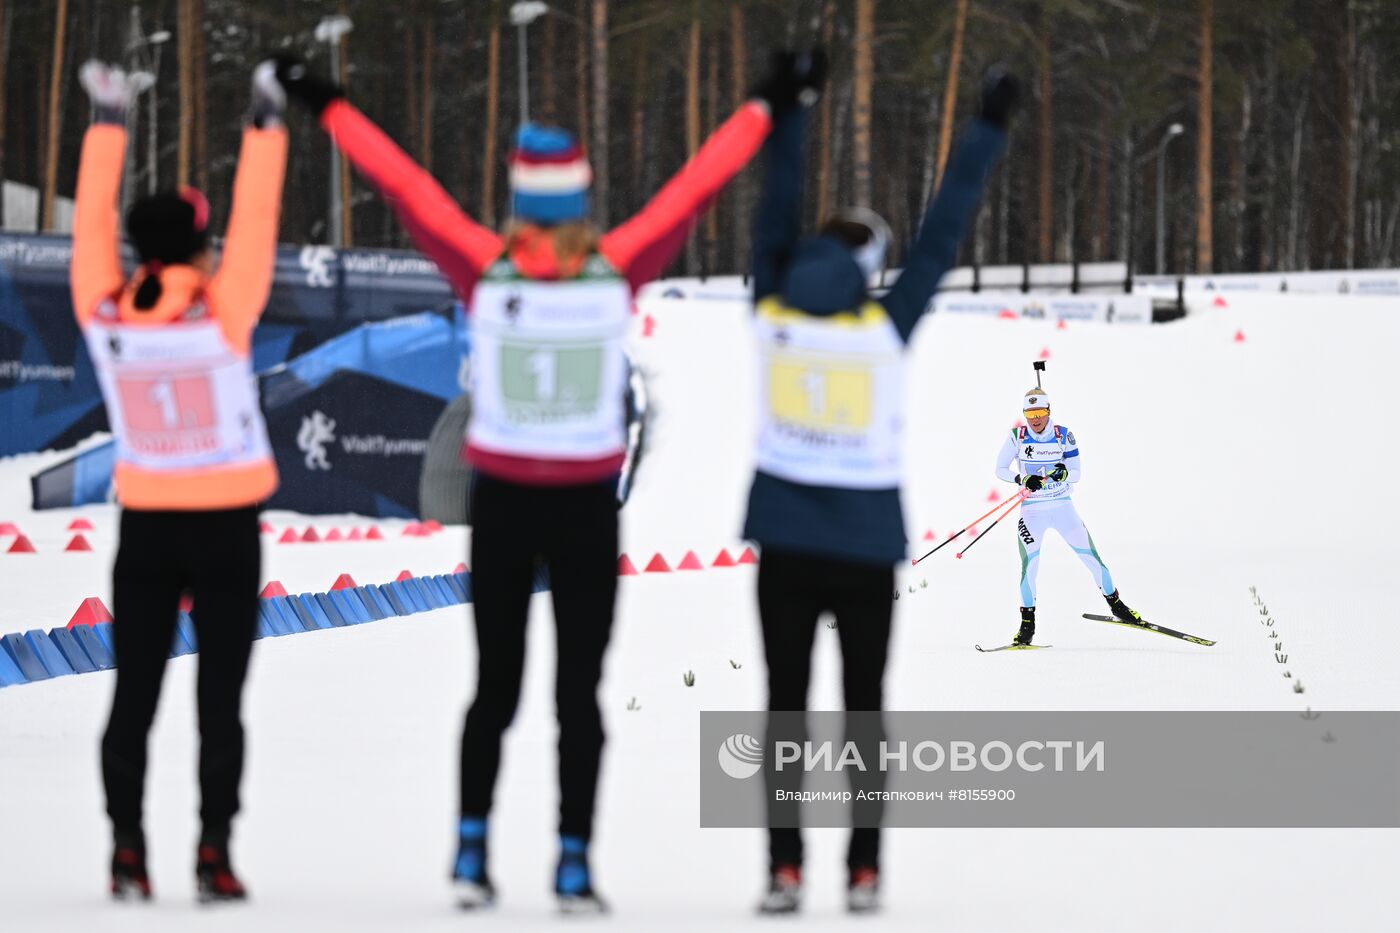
[[834, 395]]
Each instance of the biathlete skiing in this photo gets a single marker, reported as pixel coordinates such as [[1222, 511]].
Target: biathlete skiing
[[1043, 458], [549, 301], [171, 346], [825, 502]]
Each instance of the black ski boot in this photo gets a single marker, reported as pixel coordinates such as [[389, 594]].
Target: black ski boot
[[1121, 612], [1027, 632], [130, 881], [784, 891], [214, 874]]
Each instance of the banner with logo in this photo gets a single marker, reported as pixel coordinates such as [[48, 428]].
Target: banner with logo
[[1108, 309], [1333, 282], [48, 394]]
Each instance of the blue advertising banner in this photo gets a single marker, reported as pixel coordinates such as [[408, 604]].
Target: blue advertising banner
[[48, 393]]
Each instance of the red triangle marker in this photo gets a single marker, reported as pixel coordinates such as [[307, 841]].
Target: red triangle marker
[[972, 531], [91, 611], [657, 564], [8, 528], [373, 535], [1062, 325], [1045, 353], [625, 567], [334, 535], [413, 530], [1006, 314], [1220, 302], [403, 575], [648, 325], [264, 528], [355, 535], [690, 562], [461, 568], [723, 559], [79, 543], [930, 536], [80, 524], [1239, 336], [432, 525], [344, 582], [273, 589], [289, 536], [993, 496], [748, 557], [310, 534], [22, 545]]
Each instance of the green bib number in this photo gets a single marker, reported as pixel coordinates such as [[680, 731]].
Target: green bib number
[[547, 382]]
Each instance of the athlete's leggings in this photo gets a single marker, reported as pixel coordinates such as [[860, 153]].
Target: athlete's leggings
[[1039, 517], [793, 591], [216, 557], [572, 532]]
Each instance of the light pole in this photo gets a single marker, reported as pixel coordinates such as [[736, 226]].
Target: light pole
[[522, 14], [331, 30], [1173, 132]]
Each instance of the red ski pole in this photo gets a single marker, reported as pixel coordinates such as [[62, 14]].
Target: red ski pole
[[973, 524], [1008, 511]]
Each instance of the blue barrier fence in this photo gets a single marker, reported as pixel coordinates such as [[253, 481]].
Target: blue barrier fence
[[38, 655]]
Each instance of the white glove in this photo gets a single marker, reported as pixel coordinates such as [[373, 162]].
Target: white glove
[[110, 89], [269, 97]]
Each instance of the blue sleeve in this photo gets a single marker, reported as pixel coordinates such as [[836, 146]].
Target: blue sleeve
[[779, 218], [953, 208]]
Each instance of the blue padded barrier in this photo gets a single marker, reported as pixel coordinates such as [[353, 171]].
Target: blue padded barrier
[[103, 630], [23, 656], [96, 649], [48, 654], [331, 610], [10, 674], [67, 644], [309, 620]]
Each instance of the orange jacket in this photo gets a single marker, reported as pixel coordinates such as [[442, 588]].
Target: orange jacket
[[235, 295]]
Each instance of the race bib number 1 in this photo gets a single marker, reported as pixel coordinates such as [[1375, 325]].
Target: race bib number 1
[[172, 415], [540, 382], [828, 398]]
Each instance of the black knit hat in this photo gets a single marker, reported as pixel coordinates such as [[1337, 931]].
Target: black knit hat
[[169, 227]]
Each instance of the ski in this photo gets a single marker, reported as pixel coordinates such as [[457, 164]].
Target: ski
[[1152, 627], [1010, 648]]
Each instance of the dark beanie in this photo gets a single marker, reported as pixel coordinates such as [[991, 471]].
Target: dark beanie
[[169, 227]]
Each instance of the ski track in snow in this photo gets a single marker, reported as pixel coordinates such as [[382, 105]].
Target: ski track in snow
[[1209, 466]]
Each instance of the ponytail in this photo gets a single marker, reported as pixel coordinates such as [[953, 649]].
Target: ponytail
[[149, 291]]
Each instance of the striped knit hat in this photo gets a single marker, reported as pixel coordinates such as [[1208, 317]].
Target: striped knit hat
[[549, 176]]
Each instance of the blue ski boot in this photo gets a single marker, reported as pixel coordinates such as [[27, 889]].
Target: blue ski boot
[[469, 880]]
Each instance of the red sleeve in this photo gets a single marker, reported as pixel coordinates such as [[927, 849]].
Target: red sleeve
[[642, 247], [461, 247]]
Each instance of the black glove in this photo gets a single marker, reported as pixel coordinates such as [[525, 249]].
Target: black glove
[[793, 78], [308, 89], [1059, 472], [1033, 483], [1000, 91]]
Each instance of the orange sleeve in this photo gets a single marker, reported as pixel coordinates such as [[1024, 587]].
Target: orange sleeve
[[96, 271], [644, 246], [240, 288]]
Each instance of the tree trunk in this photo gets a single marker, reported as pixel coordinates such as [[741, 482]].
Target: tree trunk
[[864, 43], [582, 19], [201, 102], [824, 166], [1046, 212], [692, 115], [1237, 184], [738, 86], [4, 89], [1349, 116], [184, 38], [1204, 130], [549, 93], [1295, 188], [711, 117], [1125, 201], [641, 96], [950, 92], [347, 226], [600, 113], [54, 122], [493, 106], [1098, 246], [425, 123]]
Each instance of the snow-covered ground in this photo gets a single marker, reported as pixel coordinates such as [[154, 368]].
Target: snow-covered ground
[[1210, 465]]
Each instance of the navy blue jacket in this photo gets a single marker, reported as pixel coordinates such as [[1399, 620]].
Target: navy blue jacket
[[818, 275]]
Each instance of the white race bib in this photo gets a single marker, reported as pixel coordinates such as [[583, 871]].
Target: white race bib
[[548, 371], [831, 405], [178, 397]]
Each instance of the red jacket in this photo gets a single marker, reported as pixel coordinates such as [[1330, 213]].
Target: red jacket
[[640, 248]]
